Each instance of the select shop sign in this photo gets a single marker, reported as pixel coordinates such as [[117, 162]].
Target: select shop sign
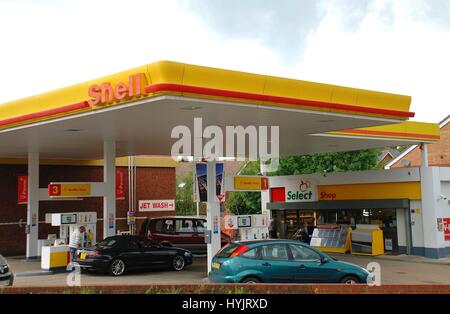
[[295, 190]]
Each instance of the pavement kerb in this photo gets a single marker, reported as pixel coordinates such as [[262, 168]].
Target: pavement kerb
[[405, 259]]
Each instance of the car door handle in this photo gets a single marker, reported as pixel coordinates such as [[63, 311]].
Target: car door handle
[[302, 266], [266, 264]]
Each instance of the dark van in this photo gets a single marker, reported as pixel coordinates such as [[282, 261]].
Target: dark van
[[183, 232]]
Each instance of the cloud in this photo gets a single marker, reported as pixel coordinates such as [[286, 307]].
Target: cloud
[[281, 25], [395, 47], [399, 46], [52, 44]]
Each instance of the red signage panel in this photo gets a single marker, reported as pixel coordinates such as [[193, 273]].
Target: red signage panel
[[22, 190], [278, 194], [447, 229], [120, 183]]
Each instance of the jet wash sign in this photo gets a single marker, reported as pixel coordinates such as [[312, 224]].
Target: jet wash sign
[[296, 189]]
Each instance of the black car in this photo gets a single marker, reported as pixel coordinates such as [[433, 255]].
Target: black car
[[118, 254], [6, 275]]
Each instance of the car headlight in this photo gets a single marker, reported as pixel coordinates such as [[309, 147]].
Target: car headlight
[[4, 269], [187, 254]]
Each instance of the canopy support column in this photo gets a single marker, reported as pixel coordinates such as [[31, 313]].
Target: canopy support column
[[33, 205], [424, 149], [213, 213], [109, 198]]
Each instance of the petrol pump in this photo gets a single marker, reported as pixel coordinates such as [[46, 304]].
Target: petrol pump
[[55, 253], [69, 222], [248, 227]]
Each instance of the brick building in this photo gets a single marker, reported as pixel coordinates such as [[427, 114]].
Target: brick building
[[438, 153], [155, 179]]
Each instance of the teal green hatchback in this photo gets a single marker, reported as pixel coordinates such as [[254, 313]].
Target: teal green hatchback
[[281, 261]]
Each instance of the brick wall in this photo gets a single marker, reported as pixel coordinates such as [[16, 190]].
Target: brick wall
[[387, 289], [152, 183], [438, 153]]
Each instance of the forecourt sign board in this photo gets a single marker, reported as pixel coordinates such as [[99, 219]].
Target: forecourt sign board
[[295, 189], [73, 190], [156, 205], [247, 183], [69, 189]]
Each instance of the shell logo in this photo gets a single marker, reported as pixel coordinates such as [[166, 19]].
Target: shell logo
[[304, 186], [107, 93]]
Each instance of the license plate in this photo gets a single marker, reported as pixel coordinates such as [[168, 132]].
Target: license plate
[[216, 265], [83, 256]]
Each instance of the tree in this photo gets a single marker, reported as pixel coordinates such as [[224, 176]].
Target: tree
[[250, 202], [328, 162], [242, 203], [184, 202]]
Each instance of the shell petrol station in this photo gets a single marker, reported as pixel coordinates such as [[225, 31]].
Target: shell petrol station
[[133, 113]]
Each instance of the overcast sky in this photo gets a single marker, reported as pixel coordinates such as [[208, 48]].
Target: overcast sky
[[398, 46]]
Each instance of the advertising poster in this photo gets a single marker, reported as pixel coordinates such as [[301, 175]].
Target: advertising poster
[[120, 183], [33, 219], [440, 225], [216, 224], [201, 182], [219, 182], [111, 221], [200, 174], [22, 190], [230, 221], [447, 229], [131, 218]]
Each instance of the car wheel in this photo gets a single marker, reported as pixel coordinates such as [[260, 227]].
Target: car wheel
[[251, 280], [117, 267], [350, 280], [178, 263]]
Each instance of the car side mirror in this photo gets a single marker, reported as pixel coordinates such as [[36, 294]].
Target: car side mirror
[[323, 259]]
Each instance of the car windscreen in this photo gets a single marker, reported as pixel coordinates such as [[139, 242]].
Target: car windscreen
[[228, 250], [107, 243]]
